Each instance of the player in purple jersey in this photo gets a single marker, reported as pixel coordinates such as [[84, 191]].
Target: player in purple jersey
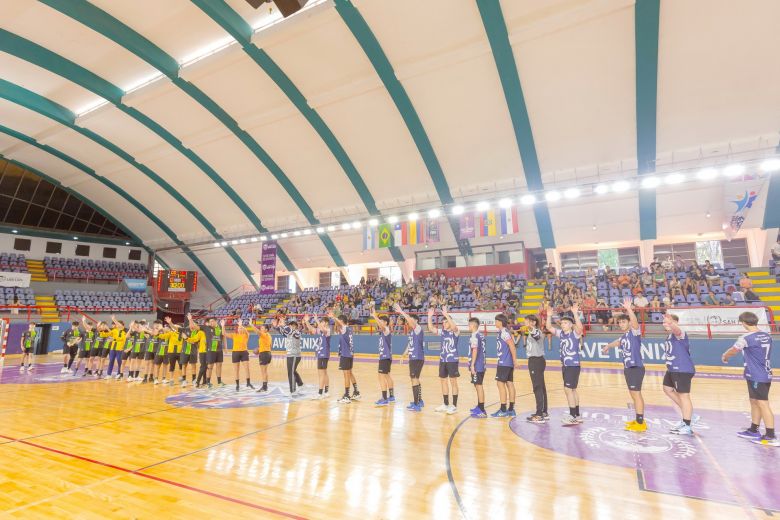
[[416, 350], [477, 366], [756, 347], [570, 334], [506, 355], [679, 373], [321, 351], [448, 360], [386, 385], [630, 344], [346, 357]]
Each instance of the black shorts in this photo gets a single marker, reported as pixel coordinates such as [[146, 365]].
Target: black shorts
[[215, 356], [634, 377], [505, 374], [415, 368], [27, 350], [83, 353], [322, 363], [138, 355], [384, 366], [188, 359], [94, 351], [758, 391], [159, 359], [172, 357], [104, 352], [477, 378], [240, 356], [126, 355], [680, 381], [149, 356], [72, 351], [571, 376], [265, 358], [203, 358], [345, 363], [448, 369]]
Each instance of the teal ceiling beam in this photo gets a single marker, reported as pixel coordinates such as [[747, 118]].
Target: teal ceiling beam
[[116, 189], [384, 69], [498, 37], [123, 35], [647, 15], [63, 116], [772, 208], [238, 28], [33, 53]]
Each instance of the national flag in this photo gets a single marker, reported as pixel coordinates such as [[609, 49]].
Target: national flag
[[398, 234], [385, 235], [370, 238], [467, 227], [508, 222], [415, 233], [433, 235], [487, 224]]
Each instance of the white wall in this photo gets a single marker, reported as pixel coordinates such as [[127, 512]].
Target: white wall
[[38, 248]]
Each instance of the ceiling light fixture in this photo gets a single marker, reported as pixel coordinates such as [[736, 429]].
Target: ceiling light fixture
[[527, 200], [457, 210], [552, 196]]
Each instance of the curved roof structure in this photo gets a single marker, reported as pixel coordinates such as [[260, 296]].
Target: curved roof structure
[[204, 121]]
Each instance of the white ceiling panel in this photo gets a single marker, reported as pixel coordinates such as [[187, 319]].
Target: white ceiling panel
[[125, 131], [44, 162], [717, 73], [70, 39], [23, 120]]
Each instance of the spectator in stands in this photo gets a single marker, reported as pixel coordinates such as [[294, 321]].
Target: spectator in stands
[[589, 301], [623, 281], [679, 263], [776, 251], [710, 300], [689, 287], [713, 278], [640, 300], [646, 278], [667, 264], [550, 270], [656, 304], [659, 277], [603, 315], [636, 288], [745, 282], [674, 283], [666, 300], [727, 301], [751, 297]]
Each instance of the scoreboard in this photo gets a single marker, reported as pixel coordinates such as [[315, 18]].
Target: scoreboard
[[177, 281]]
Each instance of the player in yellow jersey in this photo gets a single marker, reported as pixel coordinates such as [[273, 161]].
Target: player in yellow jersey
[[197, 338], [106, 342], [264, 351], [172, 356], [188, 357], [118, 339]]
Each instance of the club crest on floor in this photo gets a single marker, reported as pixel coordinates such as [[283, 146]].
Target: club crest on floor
[[227, 397]]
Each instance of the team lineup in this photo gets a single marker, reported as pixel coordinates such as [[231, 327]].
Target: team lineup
[[194, 353]]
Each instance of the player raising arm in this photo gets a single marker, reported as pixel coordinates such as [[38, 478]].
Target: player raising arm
[[448, 360], [416, 350], [322, 353], [679, 373], [570, 334]]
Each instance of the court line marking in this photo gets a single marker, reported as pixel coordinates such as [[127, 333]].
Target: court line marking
[[741, 500], [271, 427], [158, 479], [63, 494]]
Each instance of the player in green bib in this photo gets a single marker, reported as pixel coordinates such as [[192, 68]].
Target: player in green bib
[[161, 338], [29, 337], [85, 347]]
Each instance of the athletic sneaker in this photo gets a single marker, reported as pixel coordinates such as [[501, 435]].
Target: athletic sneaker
[[568, 420], [634, 426], [157, 381], [750, 435], [262, 390], [165, 381], [64, 369], [695, 418], [422, 404], [536, 419], [221, 384], [381, 402], [498, 414], [345, 400], [184, 383], [411, 405], [356, 396], [683, 430], [391, 399], [441, 408], [478, 414], [414, 408], [475, 409], [325, 395], [579, 419], [676, 427], [317, 397], [546, 416], [21, 369], [767, 441], [451, 409], [511, 413]]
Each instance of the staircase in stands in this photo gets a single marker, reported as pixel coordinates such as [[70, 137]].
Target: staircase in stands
[[532, 298], [49, 313], [37, 271], [766, 287]]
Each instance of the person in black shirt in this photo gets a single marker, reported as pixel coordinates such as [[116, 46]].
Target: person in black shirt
[[70, 348]]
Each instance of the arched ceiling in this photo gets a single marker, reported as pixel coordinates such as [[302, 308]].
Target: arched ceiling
[[203, 120]]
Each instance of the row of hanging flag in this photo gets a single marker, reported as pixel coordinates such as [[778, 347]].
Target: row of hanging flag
[[489, 223]]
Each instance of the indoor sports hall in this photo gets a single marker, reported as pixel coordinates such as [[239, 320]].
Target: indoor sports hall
[[372, 259]]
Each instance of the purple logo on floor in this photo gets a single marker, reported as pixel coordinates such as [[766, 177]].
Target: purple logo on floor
[[714, 464], [227, 397], [48, 373]]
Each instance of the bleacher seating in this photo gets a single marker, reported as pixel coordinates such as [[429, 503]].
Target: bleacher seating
[[90, 269], [17, 296], [104, 301], [13, 263], [241, 306]]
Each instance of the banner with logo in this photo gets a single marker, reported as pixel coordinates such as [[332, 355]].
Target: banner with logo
[[467, 226], [738, 200], [135, 284], [485, 318], [424, 231], [718, 320], [14, 279], [268, 268]]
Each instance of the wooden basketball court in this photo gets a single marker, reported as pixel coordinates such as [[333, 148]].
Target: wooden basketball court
[[95, 448]]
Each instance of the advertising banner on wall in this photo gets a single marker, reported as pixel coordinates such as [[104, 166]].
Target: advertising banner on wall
[[718, 320], [14, 279], [268, 268], [738, 200]]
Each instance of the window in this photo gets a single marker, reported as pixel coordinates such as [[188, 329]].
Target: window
[[685, 251], [54, 247], [709, 250], [609, 258], [109, 252], [372, 273], [82, 250], [735, 252], [22, 244], [156, 268], [392, 273], [135, 254], [285, 283], [324, 281]]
